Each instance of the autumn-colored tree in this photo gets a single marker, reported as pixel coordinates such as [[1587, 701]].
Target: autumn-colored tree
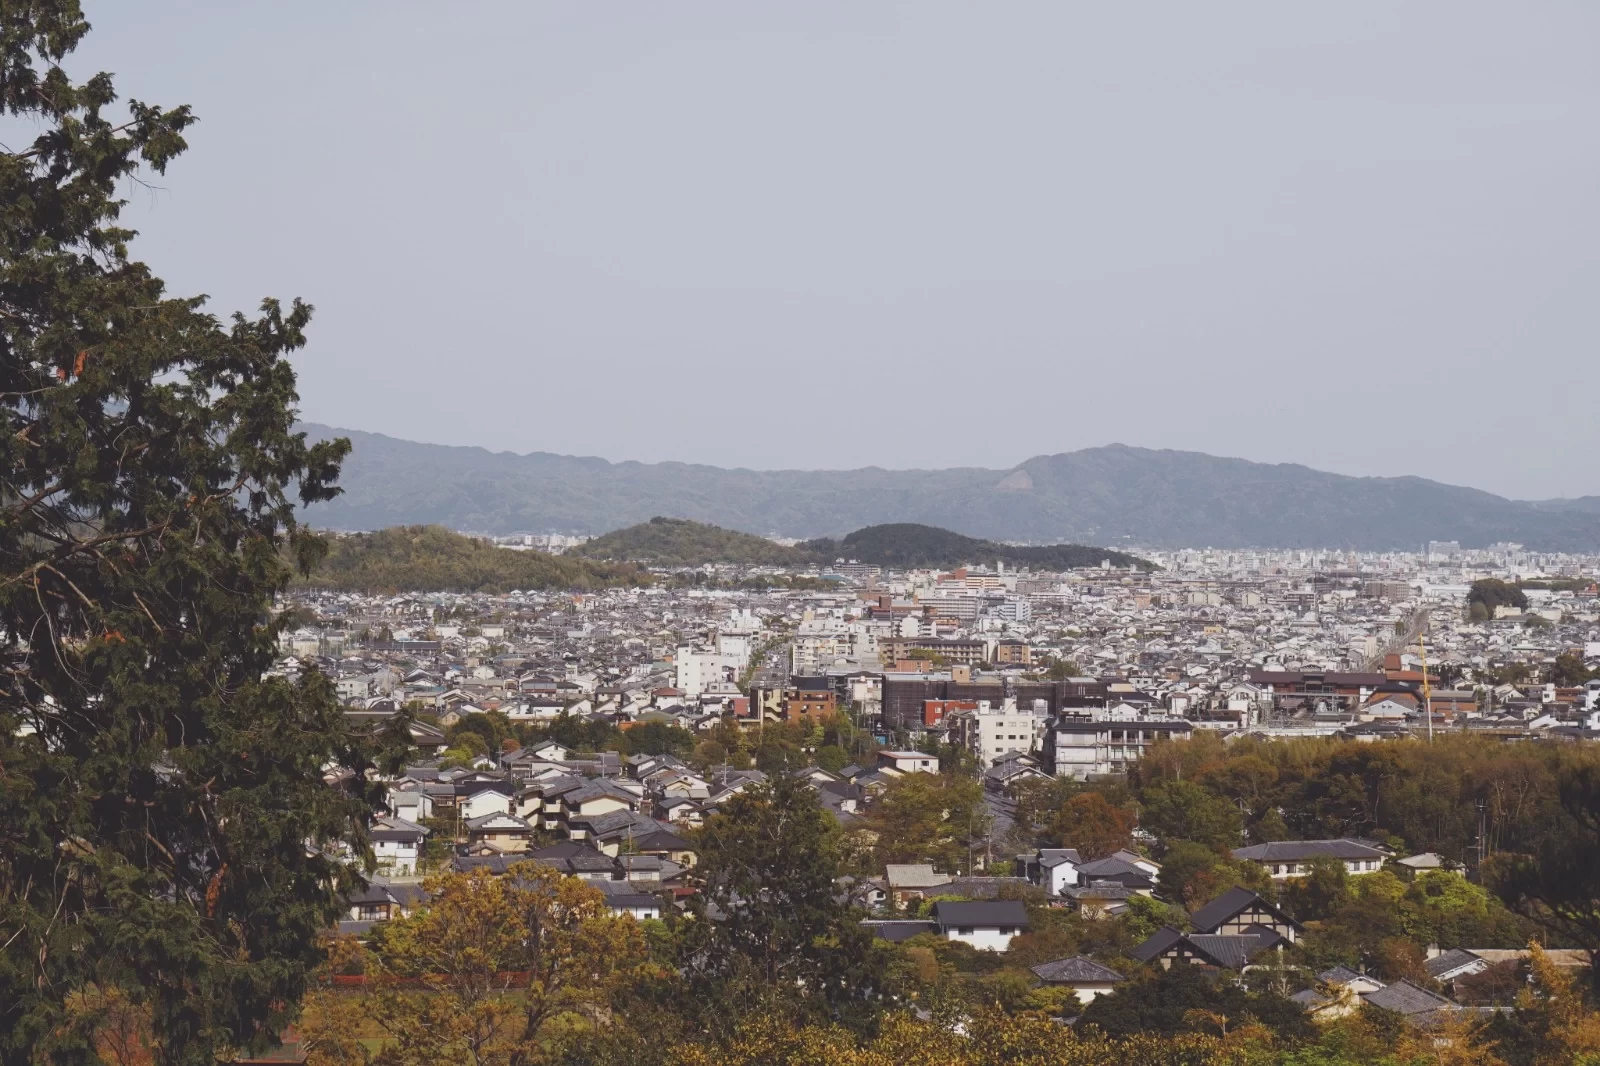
[[1093, 826], [484, 972], [929, 818]]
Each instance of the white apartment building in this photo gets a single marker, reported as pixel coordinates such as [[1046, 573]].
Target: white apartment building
[[695, 671], [991, 731]]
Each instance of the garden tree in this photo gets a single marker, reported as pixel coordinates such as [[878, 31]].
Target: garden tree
[[1062, 669], [1193, 875], [1568, 670], [931, 818], [1092, 825], [1038, 800], [1184, 810], [492, 728], [706, 754], [166, 831], [1143, 915], [1167, 1002], [1318, 893], [767, 933], [493, 968], [659, 738], [832, 758]]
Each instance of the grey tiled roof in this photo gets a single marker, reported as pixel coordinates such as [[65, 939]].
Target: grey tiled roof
[[1232, 952], [1407, 998], [1080, 969], [1453, 959], [1159, 941], [1005, 912], [1302, 850], [1230, 904]]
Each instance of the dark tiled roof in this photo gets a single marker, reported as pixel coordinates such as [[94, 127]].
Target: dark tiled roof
[[1343, 975], [1005, 912], [1453, 959], [1231, 952], [1159, 941], [1229, 905], [1407, 998], [1080, 969], [1301, 850], [898, 931]]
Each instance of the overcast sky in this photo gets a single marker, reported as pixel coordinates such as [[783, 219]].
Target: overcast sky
[[1361, 236]]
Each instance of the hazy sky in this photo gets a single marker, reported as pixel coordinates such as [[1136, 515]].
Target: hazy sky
[[1362, 236]]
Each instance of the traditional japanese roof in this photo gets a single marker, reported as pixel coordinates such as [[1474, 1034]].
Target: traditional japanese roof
[[1229, 905], [1080, 969], [1407, 998], [1302, 850]]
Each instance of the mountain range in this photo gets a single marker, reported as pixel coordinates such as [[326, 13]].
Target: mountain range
[[1112, 495]]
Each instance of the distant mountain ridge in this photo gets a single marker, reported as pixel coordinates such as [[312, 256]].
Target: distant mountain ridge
[[1108, 495]]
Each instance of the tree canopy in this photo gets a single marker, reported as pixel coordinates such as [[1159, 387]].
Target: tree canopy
[[432, 558], [167, 834]]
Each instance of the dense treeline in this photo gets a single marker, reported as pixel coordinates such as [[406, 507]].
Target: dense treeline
[[432, 558], [669, 542]]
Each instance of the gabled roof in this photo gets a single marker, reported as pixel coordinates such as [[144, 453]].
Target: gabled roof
[[1407, 998], [496, 820], [1080, 969], [1159, 942], [1454, 959], [1230, 952], [1343, 975], [1230, 905], [914, 875]]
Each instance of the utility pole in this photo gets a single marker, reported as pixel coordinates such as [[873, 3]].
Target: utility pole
[[1427, 694]]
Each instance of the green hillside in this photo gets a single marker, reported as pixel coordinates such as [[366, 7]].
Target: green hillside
[[908, 544], [679, 542], [433, 559]]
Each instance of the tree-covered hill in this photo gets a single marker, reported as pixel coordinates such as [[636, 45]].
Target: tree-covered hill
[[909, 544], [432, 558], [680, 542]]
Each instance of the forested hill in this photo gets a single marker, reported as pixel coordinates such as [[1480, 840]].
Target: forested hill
[[679, 542], [1110, 495], [433, 559], [907, 544]]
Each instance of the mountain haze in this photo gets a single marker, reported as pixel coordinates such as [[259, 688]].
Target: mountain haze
[[1109, 495]]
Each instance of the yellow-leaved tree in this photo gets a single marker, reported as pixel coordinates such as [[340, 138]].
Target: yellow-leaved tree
[[493, 971]]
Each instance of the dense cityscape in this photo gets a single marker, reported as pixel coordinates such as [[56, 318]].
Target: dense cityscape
[[736, 634]]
